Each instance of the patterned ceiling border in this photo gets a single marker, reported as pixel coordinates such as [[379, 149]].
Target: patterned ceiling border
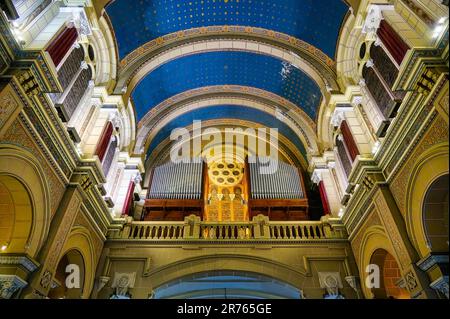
[[224, 89], [322, 67], [234, 30], [296, 119], [162, 151]]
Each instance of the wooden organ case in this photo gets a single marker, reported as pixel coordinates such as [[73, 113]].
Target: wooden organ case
[[225, 191]]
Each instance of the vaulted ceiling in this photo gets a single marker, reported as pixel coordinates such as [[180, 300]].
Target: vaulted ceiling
[[314, 21], [289, 55]]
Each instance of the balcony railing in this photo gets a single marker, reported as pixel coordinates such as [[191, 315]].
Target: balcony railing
[[259, 229]]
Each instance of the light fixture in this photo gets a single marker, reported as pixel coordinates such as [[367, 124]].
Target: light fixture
[[341, 213], [376, 147], [4, 246], [439, 27]]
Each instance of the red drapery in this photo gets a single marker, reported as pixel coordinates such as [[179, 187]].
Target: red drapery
[[349, 141], [392, 41], [104, 141], [324, 198], [62, 44], [128, 199]]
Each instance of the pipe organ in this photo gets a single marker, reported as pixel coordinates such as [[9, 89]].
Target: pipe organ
[[226, 191], [175, 191], [177, 181], [284, 183], [278, 192]]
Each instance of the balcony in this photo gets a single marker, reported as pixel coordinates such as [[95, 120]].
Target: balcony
[[260, 229]]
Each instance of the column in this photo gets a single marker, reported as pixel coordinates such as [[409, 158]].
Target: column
[[317, 179], [128, 202], [123, 191], [329, 194]]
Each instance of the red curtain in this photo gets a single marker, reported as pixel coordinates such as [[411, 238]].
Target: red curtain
[[324, 198], [393, 42], [104, 141], [128, 199], [349, 141], [62, 44]]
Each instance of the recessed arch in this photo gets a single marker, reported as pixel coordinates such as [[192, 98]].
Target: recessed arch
[[80, 240], [429, 166], [289, 151], [226, 284], [65, 267], [373, 240], [260, 100], [23, 167], [241, 263], [236, 112], [389, 273], [16, 214]]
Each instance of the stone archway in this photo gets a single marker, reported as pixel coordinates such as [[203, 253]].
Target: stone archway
[[62, 289], [23, 173], [226, 284], [389, 272], [16, 214]]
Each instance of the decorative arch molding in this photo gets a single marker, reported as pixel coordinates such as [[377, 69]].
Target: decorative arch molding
[[347, 56], [161, 152], [261, 100], [24, 167], [374, 238], [136, 65], [244, 263], [112, 52], [430, 165], [80, 240]]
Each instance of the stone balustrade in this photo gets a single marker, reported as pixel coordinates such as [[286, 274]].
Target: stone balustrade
[[260, 228]]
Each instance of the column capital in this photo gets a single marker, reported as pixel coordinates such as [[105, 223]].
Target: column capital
[[9, 284], [338, 117], [370, 63], [316, 177], [374, 17], [84, 65], [441, 285]]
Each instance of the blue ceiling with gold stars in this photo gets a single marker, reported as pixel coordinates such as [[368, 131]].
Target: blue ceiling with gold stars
[[314, 21], [227, 68], [227, 112]]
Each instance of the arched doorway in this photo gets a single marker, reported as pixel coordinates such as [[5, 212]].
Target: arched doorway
[[226, 285], [389, 276], [72, 263], [16, 215], [435, 215]]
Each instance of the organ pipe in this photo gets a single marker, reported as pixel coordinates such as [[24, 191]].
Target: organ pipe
[[284, 183]]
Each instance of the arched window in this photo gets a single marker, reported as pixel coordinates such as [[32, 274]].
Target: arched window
[[435, 215]]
